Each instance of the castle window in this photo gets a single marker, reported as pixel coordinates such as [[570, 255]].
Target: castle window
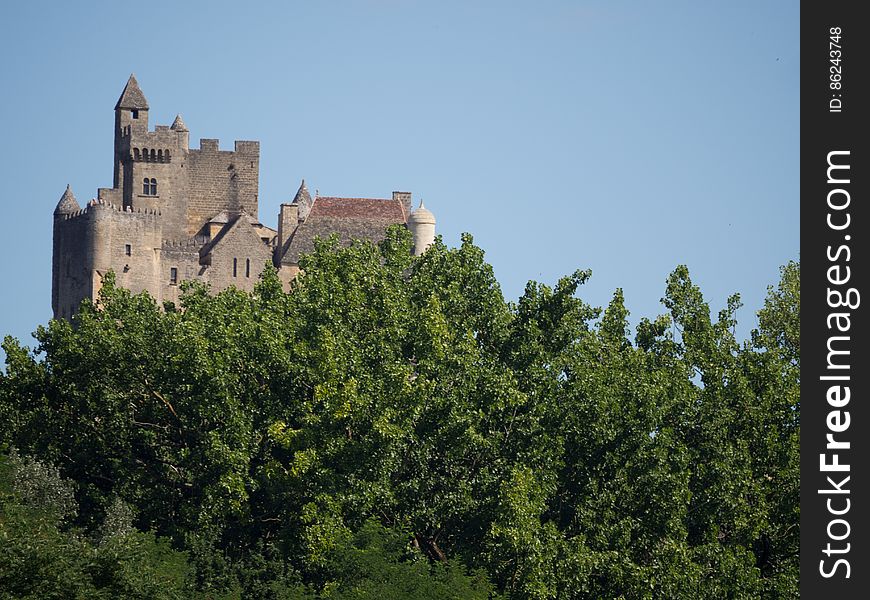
[[149, 187], [173, 276], [128, 249], [235, 266], [247, 267], [160, 156], [135, 113], [144, 153], [153, 155], [136, 155]]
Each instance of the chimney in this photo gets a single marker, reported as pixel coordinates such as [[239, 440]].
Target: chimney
[[404, 198], [288, 220]]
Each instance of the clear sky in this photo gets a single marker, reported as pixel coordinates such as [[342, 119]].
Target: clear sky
[[625, 137]]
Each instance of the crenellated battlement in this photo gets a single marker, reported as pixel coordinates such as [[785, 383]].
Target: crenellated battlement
[[97, 205], [241, 147]]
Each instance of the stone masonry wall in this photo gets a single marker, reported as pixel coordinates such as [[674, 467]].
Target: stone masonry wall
[[219, 180], [184, 257], [100, 238], [238, 259], [158, 155], [71, 275]]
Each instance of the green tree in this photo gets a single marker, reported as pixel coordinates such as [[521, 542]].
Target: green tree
[[41, 556], [393, 425]]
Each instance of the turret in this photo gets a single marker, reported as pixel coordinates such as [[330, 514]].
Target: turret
[[290, 216], [303, 201], [131, 116], [65, 257], [183, 134], [422, 226], [67, 204]]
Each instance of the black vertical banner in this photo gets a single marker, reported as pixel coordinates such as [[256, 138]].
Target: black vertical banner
[[835, 371]]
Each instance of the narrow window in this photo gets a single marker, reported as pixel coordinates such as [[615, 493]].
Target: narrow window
[[160, 155], [146, 189], [153, 187], [144, 153], [173, 276], [235, 266], [247, 267], [128, 249], [135, 113], [136, 155], [153, 155]]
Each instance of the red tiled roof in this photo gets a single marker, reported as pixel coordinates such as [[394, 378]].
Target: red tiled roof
[[349, 218], [367, 208]]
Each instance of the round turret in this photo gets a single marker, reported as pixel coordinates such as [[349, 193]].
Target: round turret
[[67, 204], [178, 124], [183, 133], [422, 226]]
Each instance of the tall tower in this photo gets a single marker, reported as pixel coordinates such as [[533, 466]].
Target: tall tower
[[131, 117]]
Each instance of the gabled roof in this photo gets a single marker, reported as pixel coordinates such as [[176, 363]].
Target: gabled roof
[[231, 220], [225, 216], [349, 218], [132, 96]]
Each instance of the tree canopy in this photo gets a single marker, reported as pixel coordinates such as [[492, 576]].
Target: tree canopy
[[392, 427]]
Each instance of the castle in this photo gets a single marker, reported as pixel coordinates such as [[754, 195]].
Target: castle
[[175, 213]]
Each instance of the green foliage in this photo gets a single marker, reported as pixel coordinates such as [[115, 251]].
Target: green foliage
[[377, 563], [393, 428], [41, 558]]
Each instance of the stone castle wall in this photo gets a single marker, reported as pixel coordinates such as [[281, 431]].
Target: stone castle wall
[[221, 180], [100, 238], [177, 213]]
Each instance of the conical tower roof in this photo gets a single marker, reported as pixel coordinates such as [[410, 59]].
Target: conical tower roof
[[178, 124], [132, 96], [67, 203], [302, 195], [303, 201], [422, 215]]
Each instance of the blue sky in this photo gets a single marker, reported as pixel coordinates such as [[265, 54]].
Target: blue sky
[[625, 137]]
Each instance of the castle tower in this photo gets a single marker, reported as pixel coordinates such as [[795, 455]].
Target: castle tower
[[131, 116], [66, 206], [422, 226]]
